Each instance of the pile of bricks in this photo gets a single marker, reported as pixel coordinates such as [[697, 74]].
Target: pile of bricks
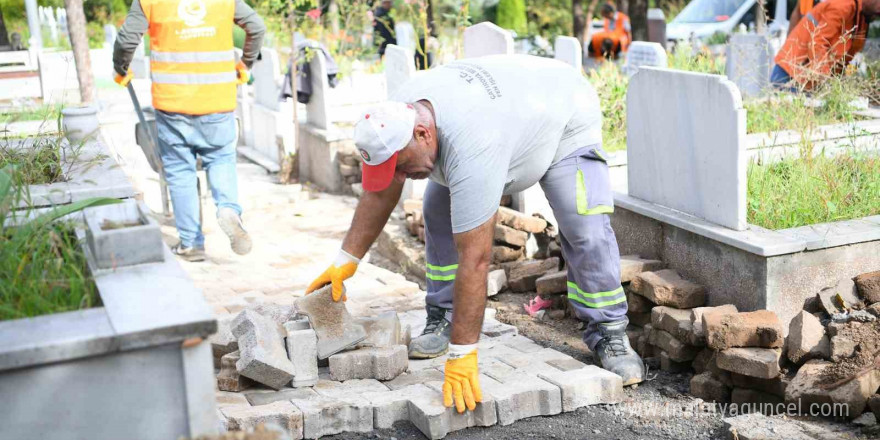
[[514, 233], [519, 379], [349, 167]]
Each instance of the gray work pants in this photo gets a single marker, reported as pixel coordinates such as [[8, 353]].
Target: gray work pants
[[579, 191]]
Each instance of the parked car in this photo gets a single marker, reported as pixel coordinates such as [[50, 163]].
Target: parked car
[[705, 18]]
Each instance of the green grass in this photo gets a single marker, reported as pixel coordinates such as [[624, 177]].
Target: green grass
[[38, 113], [810, 190], [610, 85]]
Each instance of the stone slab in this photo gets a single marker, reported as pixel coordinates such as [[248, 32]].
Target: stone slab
[[333, 324], [586, 386], [632, 265], [302, 350], [382, 330], [519, 395], [265, 397], [382, 363], [283, 414], [760, 328], [667, 288], [435, 421], [323, 415], [390, 407], [756, 362], [261, 344]]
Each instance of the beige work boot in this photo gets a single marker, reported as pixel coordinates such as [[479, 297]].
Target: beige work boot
[[230, 223]]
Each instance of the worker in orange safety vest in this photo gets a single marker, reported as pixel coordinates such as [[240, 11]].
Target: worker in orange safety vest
[[823, 43], [800, 10], [195, 80], [615, 36]]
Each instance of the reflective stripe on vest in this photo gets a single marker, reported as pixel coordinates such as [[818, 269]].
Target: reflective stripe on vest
[[812, 19], [192, 57], [192, 78]]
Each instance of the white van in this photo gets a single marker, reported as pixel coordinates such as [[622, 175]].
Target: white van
[[703, 18]]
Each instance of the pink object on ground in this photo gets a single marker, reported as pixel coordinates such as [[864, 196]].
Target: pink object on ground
[[537, 303]]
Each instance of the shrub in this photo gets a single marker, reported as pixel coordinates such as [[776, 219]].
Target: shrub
[[511, 14]]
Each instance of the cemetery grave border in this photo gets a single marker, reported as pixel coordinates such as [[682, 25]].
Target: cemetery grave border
[[143, 347], [689, 208]]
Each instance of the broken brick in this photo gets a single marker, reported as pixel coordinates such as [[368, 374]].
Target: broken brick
[[511, 237], [522, 277], [504, 254], [668, 288], [675, 321], [755, 362], [551, 283], [632, 265], [302, 350], [382, 330], [699, 333], [675, 349], [806, 339], [761, 328], [868, 286], [520, 221]]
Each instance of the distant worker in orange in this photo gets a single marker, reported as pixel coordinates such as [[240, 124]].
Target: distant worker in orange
[[802, 8], [615, 36], [823, 43]]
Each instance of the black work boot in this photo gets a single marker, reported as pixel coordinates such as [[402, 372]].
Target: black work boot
[[616, 355], [434, 340]]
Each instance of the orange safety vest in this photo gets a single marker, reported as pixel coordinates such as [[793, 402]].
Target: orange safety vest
[[618, 30], [806, 6], [192, 58], [824, 41]]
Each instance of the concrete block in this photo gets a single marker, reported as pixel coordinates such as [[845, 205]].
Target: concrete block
[[534, 362], [551, 283], [229, 379], [265, 397], [590, 385], [496, 283], [223, 342], [224, 398], [632, 265], [333, 324], [435, 421], [806, 339], [707, 387], [566, 364], [509, 236], [331, 388], [838, 298], [299, 324], [697, 320], [523, 344], [868, 286], [496, 329], [675, 349], [283, 414], [390, 407], [761, 328], [775, 386], [263, 355], [667, 288], [636, 303], [522, 276], [755, 362], [323, 415], [277, 313], [414, 378], [520, 221], [382, 330], [382, 363], [675, 321], [519, 395], [123, 235], [302, 350]]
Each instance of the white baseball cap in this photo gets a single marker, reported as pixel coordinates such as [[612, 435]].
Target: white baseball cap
[[385, 129]]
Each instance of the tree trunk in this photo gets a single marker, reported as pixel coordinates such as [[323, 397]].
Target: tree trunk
[[289, 164], [578, 20], [760, 19], [76, 26], [591, 12], [333, 16], [638, 18]]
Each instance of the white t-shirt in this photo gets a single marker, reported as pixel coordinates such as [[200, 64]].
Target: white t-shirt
[[502, 120]]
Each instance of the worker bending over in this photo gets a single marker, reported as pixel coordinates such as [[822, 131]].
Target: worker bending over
[[195, 78], [615, 36], [800, 11], [480, 129], [823, 43]]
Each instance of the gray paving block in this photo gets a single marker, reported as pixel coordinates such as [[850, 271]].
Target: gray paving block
[[566, 364], [588, 386], [382, 330], [224, 398], [520, 395], [302, 350], [223, 342], [493, 328], [229, 379], [335, 327], [265, 397], [382, 363], [535, 362], [331, 388], [390, 407], [414, 378], [323, 415], [523, 344], [261, 344], [284, 414], [435, 421]]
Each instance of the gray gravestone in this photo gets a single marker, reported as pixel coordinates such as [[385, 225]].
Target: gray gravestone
[[643, 53], [399, 67], [657, 26], [749, 59], [486, 39], [568, 50], [318, 108]]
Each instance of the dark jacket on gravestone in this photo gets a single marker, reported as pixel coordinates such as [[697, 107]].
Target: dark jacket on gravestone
[[383, 29]]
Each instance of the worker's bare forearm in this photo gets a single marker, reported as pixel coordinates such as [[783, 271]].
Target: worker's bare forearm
[[370, 217], [469, 292], [129, 37], [254, 30]]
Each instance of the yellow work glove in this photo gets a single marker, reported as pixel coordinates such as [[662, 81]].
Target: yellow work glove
[[241, 71], [123, 80], [461, 382], [343, 267]]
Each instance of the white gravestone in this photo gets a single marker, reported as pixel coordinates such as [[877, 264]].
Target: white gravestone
[[62, 20], [568, 50], [643, 53], [318, 108], [399, 67], [486, 39], [686, 144], [109, 35], [140, 63], [749, 59], [405, 35], [267, 73]]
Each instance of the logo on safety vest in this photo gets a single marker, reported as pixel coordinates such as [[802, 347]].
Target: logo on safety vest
[[192, 12], [365, 155]]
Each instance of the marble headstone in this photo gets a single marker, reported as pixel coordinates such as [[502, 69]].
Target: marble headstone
[[399, 67], [486, 39], [643, 53], [568, 50], [749, 59]]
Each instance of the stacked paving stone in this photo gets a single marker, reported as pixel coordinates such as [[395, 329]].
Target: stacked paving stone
[[349, 168], [519, 379], [513, 232]]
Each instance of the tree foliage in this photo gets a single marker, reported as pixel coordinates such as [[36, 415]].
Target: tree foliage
[[511, 14]]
